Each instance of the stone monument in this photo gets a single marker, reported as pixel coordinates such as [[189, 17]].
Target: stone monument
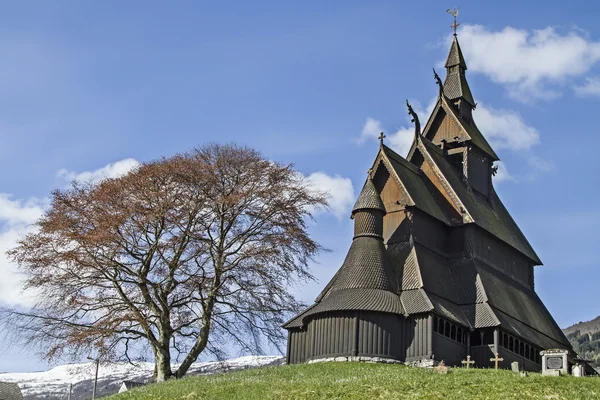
[[554, 362], [578, 370]]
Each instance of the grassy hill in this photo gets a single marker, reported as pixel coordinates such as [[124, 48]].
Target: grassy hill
[[585, 338], [367, 381]]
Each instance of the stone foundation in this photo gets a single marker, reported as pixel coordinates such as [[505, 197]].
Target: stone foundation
[[357, 359], [422, 363]]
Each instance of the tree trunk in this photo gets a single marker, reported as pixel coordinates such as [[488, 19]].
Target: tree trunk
[[162, 364]]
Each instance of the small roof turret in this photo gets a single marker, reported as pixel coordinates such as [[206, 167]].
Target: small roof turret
[[455, 85], [368, 199]]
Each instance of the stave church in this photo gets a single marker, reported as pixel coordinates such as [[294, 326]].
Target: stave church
[[437, 269]]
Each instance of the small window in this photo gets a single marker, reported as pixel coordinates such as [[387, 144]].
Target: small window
[[522, 349], [511, 344], [526, 351], [459, 335], [441, 326], [447, 329], [453, 332], [435, 324]]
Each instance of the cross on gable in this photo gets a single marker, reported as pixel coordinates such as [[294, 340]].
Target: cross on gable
[[381, 137], [467, 362], [496, 360]]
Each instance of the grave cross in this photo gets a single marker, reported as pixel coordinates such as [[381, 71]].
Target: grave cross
[[496, 359], [468, 362]]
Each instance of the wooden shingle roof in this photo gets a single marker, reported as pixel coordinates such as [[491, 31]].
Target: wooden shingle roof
[[10, 391], [489, 214]]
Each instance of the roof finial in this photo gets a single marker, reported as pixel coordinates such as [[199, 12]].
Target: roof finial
[[454, 13], [438, 81], [414, 119], [381, 137]]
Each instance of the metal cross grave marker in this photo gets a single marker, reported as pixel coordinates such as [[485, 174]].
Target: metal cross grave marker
[[496, 360], [467, 362]]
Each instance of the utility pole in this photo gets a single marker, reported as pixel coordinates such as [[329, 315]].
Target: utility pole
[[97, 361]]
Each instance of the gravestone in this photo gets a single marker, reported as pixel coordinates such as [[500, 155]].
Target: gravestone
[[514, 366], [554, 362], [578, 370]]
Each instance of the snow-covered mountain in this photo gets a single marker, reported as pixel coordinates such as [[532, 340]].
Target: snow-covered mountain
[[54, 384]]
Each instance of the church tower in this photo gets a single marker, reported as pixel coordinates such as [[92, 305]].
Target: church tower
[[437, 269]]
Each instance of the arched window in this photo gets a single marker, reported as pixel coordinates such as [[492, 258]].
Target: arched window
[[522, 349], [505, 340], [511, 344], [459, 334], [441, 326], [447, 329], [526, 351], [435, 324], [453, 332]]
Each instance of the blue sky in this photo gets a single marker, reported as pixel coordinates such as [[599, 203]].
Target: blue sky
[[91, 87]]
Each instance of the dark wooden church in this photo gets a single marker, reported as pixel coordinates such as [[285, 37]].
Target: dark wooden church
[[437, 268]]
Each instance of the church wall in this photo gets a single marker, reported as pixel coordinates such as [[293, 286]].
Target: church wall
[[500, 255], [444, 129], [451, 351], [478, 171], [390, 192], [333, 334], [482, 354], [380, 335], [417, 335], [510, 357], [298, 348], [395, 227], [361, 333]]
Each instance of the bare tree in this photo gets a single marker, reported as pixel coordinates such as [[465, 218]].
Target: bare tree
[[182, 255]]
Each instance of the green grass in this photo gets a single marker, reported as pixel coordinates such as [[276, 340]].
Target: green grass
[[367, 381]]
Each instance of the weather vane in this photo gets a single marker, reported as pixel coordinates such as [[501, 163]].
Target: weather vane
[[454, 13]]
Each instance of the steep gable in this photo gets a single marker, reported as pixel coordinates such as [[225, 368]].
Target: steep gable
[[487, 213]]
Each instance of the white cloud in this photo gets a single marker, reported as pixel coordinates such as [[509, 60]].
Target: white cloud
[[402, 138], [505, 129], [591, 87], [17, 218], [113, 170], [539, 164], [339, 190], [531, 64]]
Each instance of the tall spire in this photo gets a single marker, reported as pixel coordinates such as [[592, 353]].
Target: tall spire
[[455, 85]]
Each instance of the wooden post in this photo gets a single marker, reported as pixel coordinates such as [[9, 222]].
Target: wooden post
[[356, 331], [429, 335], [496, 340]]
